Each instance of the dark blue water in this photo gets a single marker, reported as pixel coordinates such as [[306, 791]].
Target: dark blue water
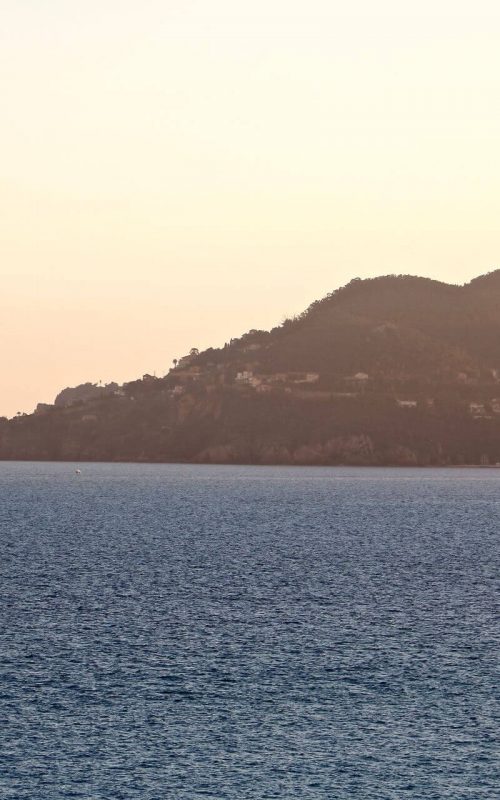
[[219, 632]]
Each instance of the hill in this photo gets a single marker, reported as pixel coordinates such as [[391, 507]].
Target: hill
[[393, 370]]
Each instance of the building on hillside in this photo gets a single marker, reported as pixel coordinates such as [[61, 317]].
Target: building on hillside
[[360, 377], [245, 376], [477, 410], [189, 374], [251, 348], [358, 381], [303, 377]]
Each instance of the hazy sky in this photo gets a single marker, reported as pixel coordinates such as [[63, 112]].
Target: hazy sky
[[175, 173]]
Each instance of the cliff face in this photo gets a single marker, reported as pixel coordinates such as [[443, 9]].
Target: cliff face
[[395, 370]]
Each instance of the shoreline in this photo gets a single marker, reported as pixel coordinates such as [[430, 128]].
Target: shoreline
[[246, 464]]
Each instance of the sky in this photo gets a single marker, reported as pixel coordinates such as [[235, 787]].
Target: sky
[[176, 173]]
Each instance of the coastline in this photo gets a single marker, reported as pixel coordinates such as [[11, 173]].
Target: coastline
[[247, 464]]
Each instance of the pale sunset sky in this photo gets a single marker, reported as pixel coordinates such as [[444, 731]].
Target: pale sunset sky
[[174, 173]]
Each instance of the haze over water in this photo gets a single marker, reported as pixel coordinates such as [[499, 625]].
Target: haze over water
[[241, 632]]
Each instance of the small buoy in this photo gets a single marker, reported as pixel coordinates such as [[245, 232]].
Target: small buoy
[[78, 472]]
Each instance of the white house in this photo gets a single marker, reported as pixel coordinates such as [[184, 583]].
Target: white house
[[245, 376]]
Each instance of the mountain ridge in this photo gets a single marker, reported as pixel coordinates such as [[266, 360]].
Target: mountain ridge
[[395, 369]]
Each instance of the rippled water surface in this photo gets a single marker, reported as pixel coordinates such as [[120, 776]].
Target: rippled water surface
[[240, 632]]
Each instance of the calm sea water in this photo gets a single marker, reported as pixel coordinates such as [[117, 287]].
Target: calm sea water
[[239, 632]]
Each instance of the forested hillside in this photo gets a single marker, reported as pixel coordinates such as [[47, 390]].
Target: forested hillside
[[394, 370]]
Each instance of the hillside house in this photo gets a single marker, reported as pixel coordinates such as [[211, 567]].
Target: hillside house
[[245, 376], [359, 380], [292, 377], [303, 377], [277, 377], [477, 410], [407, 403], [251, 348], [191, 373]]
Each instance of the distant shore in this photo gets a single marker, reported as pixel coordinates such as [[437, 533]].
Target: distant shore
[[247, 464]]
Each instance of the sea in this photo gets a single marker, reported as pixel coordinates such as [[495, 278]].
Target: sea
[[179, 631]]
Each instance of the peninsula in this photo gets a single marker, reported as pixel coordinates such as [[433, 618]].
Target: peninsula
[[394, 370]]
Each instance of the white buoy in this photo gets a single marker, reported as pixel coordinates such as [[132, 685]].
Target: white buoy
[[78, 472]]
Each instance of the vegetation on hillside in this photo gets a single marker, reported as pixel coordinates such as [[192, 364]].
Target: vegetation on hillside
[[394, 370]]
